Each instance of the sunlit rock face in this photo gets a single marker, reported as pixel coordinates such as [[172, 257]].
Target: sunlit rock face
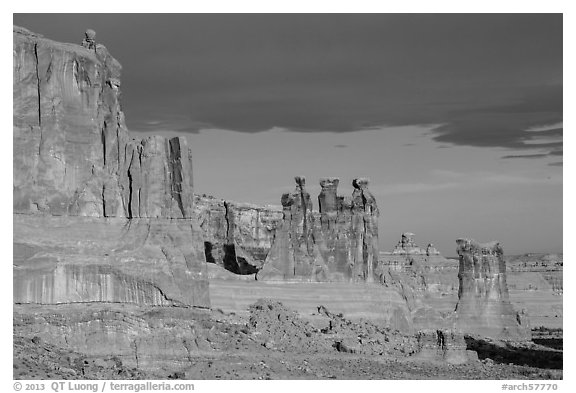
[[73, 154], [483, 302], [338, 243], [74, 159], [365, 215], [336, 229], [295, 254], [69, 131]]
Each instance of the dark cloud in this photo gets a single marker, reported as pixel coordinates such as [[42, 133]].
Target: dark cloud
[[505, 124], [556, 164], [484, 77], [526, 156], [552, 153], [341, 146]]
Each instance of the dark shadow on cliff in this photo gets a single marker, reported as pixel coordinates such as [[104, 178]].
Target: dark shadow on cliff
[[208, 252], [230, 261], [548, 337], [523, 354], [554, 343]]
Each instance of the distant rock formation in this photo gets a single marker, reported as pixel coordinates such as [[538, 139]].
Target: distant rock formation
[[74, 158], [431, 250], [237, 236], [407, 254], [483, 302], [340, 243], [407, 245]]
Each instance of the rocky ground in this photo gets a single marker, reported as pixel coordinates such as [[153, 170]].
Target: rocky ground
[[272, 342]]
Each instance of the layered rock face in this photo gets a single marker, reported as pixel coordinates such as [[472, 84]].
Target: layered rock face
[[237, 236], [483, 302], [157, 340], [340, 243], [74, 158], [72, 151], [63, 259], [424, 269]]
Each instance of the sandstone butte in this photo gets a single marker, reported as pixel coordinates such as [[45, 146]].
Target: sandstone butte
[[115, 213], [102, 217], [338, 244]]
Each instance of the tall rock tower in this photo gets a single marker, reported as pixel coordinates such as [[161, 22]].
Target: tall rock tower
[[339, 243], [483, 305], [295, 253], [364, 230]]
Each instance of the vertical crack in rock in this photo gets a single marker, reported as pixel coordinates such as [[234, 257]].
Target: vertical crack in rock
[[138, 151], [229, 229], [118, 138], [230, 257], [104, 201], [130, 187], [38, 87], [103, 139], [175, 162]]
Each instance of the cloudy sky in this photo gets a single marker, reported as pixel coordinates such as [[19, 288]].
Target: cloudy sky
[[456, 119]]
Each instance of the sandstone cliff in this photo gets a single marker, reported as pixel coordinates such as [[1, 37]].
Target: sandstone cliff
[[338, 243], [237, 236], [483, 302], [74, 158], [72, 152]]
